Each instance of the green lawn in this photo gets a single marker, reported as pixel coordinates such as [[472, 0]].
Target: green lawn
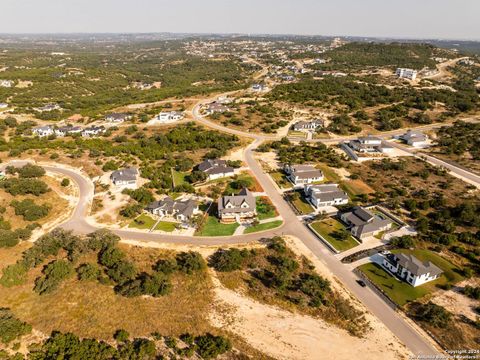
[[302, 205], [326, 228], [213, 227], [178, 177], [355, 187], [244, 177], [329, 173], [401, 292], [263, 227], [143, 222], [281, 179], [166, 226], [265, 208]]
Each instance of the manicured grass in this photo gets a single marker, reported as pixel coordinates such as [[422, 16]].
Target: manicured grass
[[166, 226], [326, 228], [265, 208], [143, 222], [297, 134], [281, 179], [400, 292], [263, 227], [302, 205], [213, 227], [178, 177]]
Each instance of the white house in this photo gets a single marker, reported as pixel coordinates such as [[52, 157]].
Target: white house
[[6, 83], [93, 131], [415, 138], [410, 269], [3, 105], [325, 195], [308, 125], [216, 169], [181, 210], [170, 116], [68, 130], [125, 178], [43, 131], [301, 175], [406, 73], [237, 208], [117, 117], [48, 108], [258, 87]]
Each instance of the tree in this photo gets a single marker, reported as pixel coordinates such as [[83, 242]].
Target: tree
[[65, 182], [210, 346], [11, 327], [121, 335], [54, 274], [31, 171], [189, 262], [433, 314], [88, 271], [228, 260]]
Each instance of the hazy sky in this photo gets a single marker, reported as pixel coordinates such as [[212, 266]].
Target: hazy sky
[[457, 19]]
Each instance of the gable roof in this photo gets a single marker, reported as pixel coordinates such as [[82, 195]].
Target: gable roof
[[128, 174], [414, 265], [326, 192], [243, 197], [170, 206]]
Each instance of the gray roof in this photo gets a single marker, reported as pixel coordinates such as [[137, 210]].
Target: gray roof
[[413, 135], [244, 197], [307, 124], [304, 171], [364, 222], [128, 174], [170, 206], [414, 265], [215, 166], [327, 192]]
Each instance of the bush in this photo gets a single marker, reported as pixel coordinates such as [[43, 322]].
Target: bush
[[54, 274], [210, 346], [24, 186], [472, 292], [228, 260], [30, 171], [121, 335], [189, 262], [433, 314], [403, 242], [11, 327], [88, 272], [65, 182], [29, 210]]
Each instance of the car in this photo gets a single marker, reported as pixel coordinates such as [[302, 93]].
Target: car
[[361, 283]]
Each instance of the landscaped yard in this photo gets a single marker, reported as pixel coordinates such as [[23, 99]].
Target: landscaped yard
[[166, 226], [301, 204], [143, 222], [246, 180], [265, 208], [178, 177], [327, 229], [401, 292], [263, 227], [281, 179], [213, 227]]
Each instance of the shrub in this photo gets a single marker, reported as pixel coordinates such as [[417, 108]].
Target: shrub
[[189, 262], [11, 327], [210, 346], [65, 182], [54, 274], [228, 260], [30, 171], [121, 335], [88, 272], [24, 186], [29, 210], [433, 314]]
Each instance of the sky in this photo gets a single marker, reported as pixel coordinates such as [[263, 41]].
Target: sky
[[446, 19]]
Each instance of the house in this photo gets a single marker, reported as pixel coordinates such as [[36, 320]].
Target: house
[[308, 125], [406, 73], [67, 130], [181, 210], [258, 87], [237, 208], [170, 116], [363, 223], [48, 108], [301, 175], [93, 131], [117, 117], [216, 107], [466, 61], [125, 177], [366, 147], [410, 269], [216, 168], [3, 105], [415, 138], [325, 195], [6, 83], [43, 131]]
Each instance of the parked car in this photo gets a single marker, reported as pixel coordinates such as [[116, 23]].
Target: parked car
[[361, 283]]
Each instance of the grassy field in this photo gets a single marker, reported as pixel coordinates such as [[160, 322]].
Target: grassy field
[[178, 177], [302, 205], [326, 228], [166, 226], [401, 292], [300, 134], [263, 227], [329, 173], [144, 222], [213, 227], [281, 180], [356, 187]]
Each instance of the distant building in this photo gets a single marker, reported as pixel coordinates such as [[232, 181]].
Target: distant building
[[363, 223], [43, 131], [125, 177], [67, 130], [237, 208], [48, 108], [93, 131], [308, 125], [410, 269], [325, 195], [216, 168], [3, 105], [170, 116], [258, 87], [366, 147], [181, 210], [466, 61], [117, 117], [6, 83], [415, 138], [406, 73], [216, 107], [301, 175]]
